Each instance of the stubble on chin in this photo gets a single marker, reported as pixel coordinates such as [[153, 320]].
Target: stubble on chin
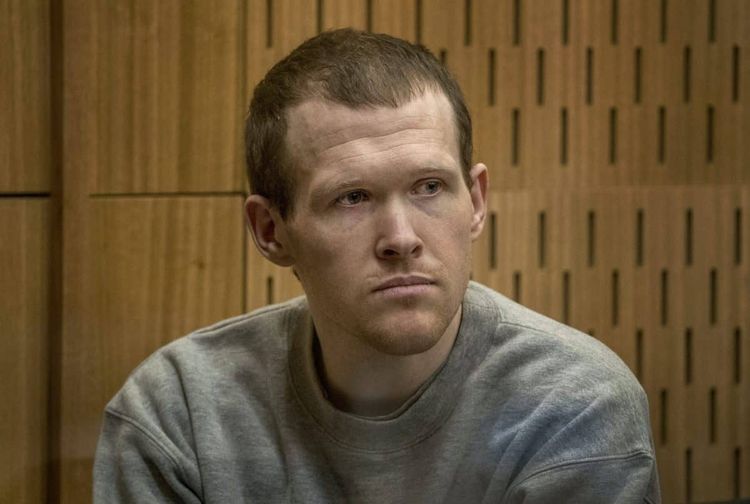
[[404, 337]]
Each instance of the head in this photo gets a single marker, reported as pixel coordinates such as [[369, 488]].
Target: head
[[368, 194], [348, 67]]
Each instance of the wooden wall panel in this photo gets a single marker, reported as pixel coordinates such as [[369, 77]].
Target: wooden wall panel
[[604, 123], [24, 315], [152, 269], [25, 98], [169, 82], [669, 295], [395, 17]]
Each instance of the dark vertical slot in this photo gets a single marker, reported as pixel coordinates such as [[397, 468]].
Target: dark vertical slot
[[689, 237], [467, 22], [612, 135], [689, 476], [736, 474], [662, 134], [615, 298], [663, 21], [515, 137], [269, 23], [517, 286], [320, 16], [712, 415], [50, 446], [443, 57], [591, 237], [737, 235], [735, 73], [566, 297], [639, 354], [540, 76], [686, 57], [493, 240], [564, 136], [639, 237], [589, 75], [712, 297], [591, 333], [637, 84], [712, 20], [737, 374], [418, 21], [542, 238], [491, 77], [664, 295], [688, 356], [368, 15], [565, 21], [269, 290], [615, 15], [663, 416], [517, 22], [710, 135]]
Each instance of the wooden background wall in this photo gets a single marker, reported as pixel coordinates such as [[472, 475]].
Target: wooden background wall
[[617, 134]]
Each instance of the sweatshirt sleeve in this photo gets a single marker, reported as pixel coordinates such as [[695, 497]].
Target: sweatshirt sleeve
[[630, 479], [135, 465]]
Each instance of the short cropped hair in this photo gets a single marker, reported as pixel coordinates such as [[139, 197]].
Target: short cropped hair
[[348, 67]]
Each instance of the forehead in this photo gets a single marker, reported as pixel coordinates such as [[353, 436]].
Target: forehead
[[319, 131]]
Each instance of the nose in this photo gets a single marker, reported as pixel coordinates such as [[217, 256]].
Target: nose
[[397, 237]]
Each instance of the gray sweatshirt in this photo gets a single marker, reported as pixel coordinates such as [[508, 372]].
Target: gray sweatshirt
[[523, 410]]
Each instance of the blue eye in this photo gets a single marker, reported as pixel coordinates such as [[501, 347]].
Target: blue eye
[[351, 198], [429, 187]]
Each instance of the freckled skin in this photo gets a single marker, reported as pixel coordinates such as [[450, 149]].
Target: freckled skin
[[380, 194]]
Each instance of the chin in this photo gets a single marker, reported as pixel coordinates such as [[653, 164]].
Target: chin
[[408, 338]]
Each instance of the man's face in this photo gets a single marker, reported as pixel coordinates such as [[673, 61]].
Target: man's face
[[380, 236]]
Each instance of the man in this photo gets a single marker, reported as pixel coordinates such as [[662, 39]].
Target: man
[[394, 379]]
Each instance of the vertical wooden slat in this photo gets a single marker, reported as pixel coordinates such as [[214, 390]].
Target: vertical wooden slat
[[24, 311], [160, 64], [25, 97]]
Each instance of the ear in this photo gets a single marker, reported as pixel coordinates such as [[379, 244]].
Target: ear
[[268, 230], [479, 184]]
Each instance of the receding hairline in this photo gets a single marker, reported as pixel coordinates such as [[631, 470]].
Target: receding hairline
[[356, 69], [442, 100]]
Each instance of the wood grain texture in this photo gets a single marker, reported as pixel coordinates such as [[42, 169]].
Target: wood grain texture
[[569, 248], [154, 99], [151, 270], [24, 310], [169, 82], [25, 96]]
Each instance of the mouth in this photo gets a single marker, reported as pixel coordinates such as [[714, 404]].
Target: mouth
[[405, 283]]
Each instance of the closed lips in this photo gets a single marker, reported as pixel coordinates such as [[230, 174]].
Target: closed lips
[[404, 282]]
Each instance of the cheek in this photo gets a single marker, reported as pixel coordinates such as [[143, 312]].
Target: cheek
[[452, 230], [325, 255]]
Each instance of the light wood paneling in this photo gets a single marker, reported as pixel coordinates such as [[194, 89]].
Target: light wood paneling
[[169, 82], [24, 313], [25, 96], [151, 270], [676, 311], [602, 122], [396, 17]]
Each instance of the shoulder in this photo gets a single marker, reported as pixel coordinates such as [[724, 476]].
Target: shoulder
[[533, 339], [573, 396], [164, 384]]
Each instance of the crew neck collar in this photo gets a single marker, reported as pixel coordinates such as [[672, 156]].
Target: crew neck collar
[[420, 415]]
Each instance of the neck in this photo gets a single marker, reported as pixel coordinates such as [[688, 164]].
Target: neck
[[359, 379]]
